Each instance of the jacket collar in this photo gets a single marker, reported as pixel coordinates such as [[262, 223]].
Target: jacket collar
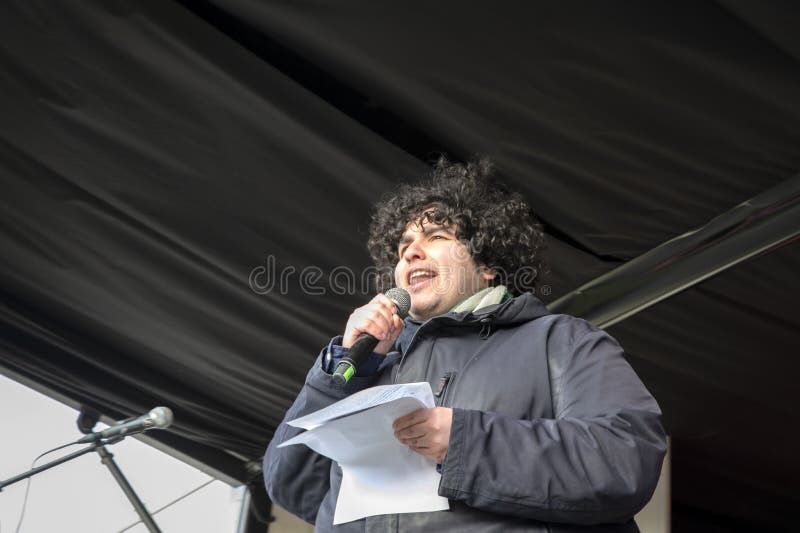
[[523, 308]]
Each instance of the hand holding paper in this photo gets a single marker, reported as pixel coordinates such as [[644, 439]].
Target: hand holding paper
[[426, 431], [379, 474]]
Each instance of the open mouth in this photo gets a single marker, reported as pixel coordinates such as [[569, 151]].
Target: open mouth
[[419, 277]]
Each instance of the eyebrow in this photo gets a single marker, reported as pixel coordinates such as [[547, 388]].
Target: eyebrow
[[426, 230]]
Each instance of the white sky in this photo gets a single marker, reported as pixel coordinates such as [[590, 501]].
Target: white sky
[[81, 495]]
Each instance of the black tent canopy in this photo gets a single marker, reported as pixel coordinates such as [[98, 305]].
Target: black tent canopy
[[156, 159]]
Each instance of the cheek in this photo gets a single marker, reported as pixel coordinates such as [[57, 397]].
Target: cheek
[[398, 276]]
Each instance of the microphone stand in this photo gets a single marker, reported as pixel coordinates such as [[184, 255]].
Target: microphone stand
[[107, 458]]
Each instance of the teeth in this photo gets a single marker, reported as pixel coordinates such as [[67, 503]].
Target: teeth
[[417, 274]]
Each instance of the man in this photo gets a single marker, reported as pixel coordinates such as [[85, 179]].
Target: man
[[540, 424]]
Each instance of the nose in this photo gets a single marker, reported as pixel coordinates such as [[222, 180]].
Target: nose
[[414, 250]]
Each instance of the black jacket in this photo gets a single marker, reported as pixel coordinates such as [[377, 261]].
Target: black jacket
[[552, 430]]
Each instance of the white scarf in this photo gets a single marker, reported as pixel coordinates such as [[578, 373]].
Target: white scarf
[[483, 298]]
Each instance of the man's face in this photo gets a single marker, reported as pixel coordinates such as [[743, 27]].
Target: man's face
[[436, 269]]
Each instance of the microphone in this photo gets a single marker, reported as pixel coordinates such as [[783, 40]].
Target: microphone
[[159, 417], [363, 346]]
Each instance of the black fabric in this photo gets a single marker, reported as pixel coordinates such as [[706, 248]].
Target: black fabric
[[657, 108], [152, 155], [148, 167]]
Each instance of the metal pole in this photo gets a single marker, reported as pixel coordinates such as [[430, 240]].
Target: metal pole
[[47, 466], [253, 517], [108, 459]]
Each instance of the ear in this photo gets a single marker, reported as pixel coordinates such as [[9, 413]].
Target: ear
[[486, 273]]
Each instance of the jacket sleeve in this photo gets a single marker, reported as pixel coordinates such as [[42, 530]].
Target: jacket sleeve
[[297, 478], [598, 461]]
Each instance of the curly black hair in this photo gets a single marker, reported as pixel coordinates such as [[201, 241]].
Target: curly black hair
[[497, 225]]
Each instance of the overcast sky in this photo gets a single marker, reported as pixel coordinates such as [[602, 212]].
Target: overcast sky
[[81, 496]]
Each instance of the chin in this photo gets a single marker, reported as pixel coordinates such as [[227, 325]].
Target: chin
[[425, 314], [419, 314]]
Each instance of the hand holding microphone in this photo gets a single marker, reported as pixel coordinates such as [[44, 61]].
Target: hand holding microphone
[[373, 327]]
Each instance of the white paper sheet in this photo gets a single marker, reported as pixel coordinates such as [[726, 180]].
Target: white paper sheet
[[379, 475], [364, 400]]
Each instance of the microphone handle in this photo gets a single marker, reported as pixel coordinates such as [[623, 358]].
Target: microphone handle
[[356, 355]]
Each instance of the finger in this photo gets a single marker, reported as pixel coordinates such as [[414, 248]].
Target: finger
[[373, 319], [411, 419], [389, 314], [396, 328], [383, 306], [397, 323], [410, 433], [377, 326], [424, 451], [386, 302], [376, 308], [417, 442], [415, 417]]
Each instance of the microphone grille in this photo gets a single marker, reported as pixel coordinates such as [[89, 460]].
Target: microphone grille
[[161, 417], [401, 299]]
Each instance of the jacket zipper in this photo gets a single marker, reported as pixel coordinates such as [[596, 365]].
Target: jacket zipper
[[408, 349], [441, 392], [486, 330], [486, 326]]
